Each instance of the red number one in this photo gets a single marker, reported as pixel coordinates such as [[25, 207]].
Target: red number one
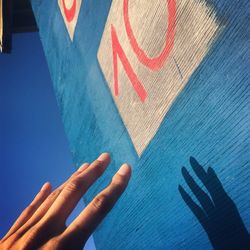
[[152, 63], [117, 50]]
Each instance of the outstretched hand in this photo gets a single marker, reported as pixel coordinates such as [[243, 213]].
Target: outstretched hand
[[42, 223]]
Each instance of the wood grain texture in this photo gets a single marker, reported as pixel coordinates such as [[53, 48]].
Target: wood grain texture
[[209, 120]]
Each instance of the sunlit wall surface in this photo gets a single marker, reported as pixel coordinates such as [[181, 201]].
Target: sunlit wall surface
[[160, 85]]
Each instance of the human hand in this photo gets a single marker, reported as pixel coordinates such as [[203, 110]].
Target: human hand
[[42, 224]]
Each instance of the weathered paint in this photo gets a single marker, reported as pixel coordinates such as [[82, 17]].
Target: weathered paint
[[207, 119]]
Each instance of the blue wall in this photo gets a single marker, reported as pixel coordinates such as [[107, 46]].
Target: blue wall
[[209, 121]]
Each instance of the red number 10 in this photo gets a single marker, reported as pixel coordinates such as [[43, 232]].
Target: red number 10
[[152, 63]]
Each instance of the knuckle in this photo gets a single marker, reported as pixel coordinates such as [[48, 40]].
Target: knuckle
[[54, 243], [29, 210], [73, 175], [45, 229], [53, 224], [31, 207], [63, 241], [8, 243], [102, 204], [74, 185], [29, 238], [54, 194], [49, 222], [33, 232]]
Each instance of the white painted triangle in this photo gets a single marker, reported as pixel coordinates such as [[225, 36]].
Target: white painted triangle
[[196, 28]]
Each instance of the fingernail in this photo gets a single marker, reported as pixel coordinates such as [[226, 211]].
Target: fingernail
[[124, 170], [103, 157], [45, 186]]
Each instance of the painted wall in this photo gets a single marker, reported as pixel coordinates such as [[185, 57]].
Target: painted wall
[[155, 83]]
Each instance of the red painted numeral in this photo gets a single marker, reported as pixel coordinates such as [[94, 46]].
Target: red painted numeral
[[117, 50], [152, 63]]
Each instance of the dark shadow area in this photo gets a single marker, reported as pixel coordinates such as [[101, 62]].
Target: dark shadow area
[[217, 213]]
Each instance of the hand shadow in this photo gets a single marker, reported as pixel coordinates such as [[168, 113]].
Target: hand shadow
[[217, 213]]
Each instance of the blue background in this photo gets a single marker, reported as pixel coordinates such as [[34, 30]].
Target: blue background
[[34, 148], [209, 120]]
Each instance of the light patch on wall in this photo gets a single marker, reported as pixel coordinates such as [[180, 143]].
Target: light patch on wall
[[148, 52], [70, 10], [1, 25]]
